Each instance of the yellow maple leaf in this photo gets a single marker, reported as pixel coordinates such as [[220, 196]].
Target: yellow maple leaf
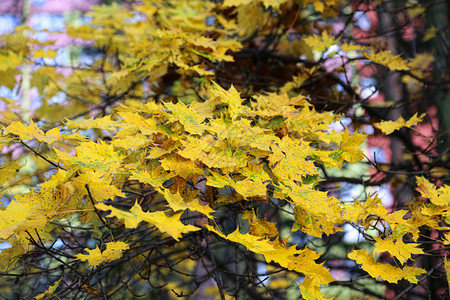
[[218, 180], [155, 177], [177, 203], [112, 252], [6, 140], [351, 146], [310, 289], [388, 127], [250, 188], [385, 271], [13, 217], [429, 34], [99, 185], [386, 58], [231, 97], [170, 225], [10, 60], [228, 3], [355, 212], [260, 227], [438, 196], [50, 290], [49, 53], [397, 248], [313, 201], [100, 123], [9, 171], [32, 131], [288, 257], [320, 43], [146, 125], [291, 161], [179, 166], [131, 141], [267, 3], [223, 156], [96, 156]]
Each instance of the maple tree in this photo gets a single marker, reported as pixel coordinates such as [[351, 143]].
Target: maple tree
[[197, 155]]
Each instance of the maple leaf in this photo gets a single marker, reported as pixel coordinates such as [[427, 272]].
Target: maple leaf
[[355, 212], [386, 58], [250, 188], [351, 146], [230, 97], [100, 123], [9, 170], [6, 140], [14, 218], [260, 227], [388, 127], [289, 257], [112, 252], [439, 197], [99, 185], [385, 271], [10, 60], [147, 126], [96, 156], [310, 289], [311, 200], [50, 290], [181, 167], [61, 176], [397, 248], [320, 43], [155, 177], [170, 225], [32, 131], [218, 180], [177, 203], [49, 53]]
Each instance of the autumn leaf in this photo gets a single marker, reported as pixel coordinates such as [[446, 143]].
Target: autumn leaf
[[388, 127], [9, 170], [385, 271], [10, 60], [260, 227], [170, 225], [155, 177], [386, 58], [112, 252], [48, 53], [351, 146], [289, 257], [320, 43], [230, 97], [438, 196], [274, 3], [310, 289], [177, 203], [187, 116], [184, 168], [397, 248], [100, 123], [14, 217], [50, 290], [95, 156]]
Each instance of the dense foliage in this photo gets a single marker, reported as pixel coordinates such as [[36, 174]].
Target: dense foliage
[[199, 151]]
